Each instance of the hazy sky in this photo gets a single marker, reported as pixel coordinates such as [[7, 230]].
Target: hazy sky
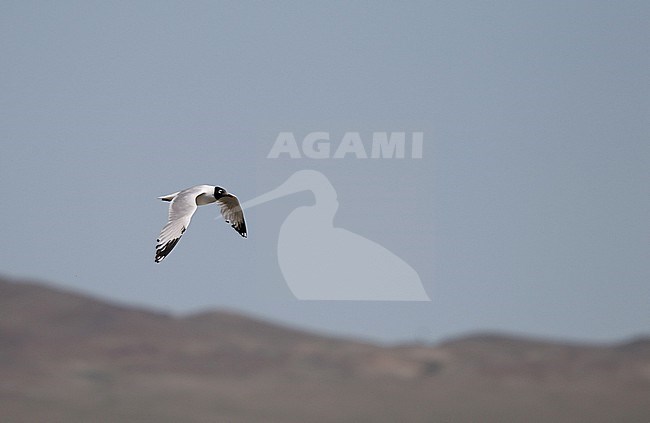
[[527, 213]]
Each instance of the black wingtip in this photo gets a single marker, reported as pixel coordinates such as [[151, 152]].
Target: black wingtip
[[240, 229], [163, 250]]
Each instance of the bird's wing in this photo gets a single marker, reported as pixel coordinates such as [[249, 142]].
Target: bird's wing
[[181, 209], [232, 213]]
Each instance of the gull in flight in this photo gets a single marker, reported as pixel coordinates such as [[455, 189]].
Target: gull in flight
[[182, 206]]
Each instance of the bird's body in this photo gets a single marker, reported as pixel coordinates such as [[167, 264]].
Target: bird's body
[[182, 206]]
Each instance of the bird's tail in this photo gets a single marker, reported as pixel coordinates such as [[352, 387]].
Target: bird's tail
[[169, 197]]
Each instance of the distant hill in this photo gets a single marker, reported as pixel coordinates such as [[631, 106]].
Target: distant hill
[[65, 357]]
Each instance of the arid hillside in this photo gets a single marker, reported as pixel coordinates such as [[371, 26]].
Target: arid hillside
[[65, 357]]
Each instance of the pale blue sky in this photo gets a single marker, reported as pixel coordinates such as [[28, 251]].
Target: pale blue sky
[[528, 212]]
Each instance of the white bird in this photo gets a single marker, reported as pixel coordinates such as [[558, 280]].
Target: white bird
[[183, 205]]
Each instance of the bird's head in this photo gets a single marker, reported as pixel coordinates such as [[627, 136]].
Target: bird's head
[[302, 180], [219, 192]]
